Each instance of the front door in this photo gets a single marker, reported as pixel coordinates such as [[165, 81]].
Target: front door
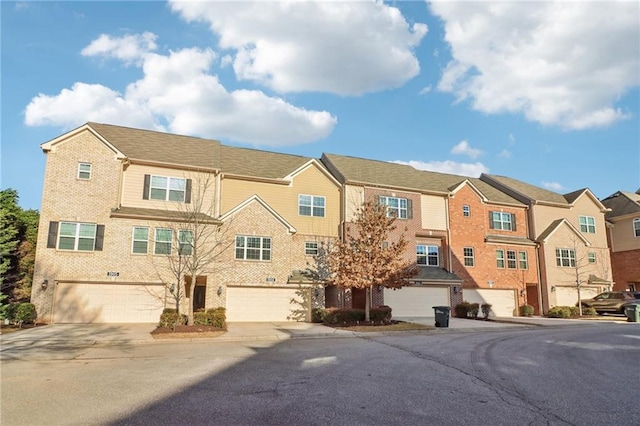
[[199, 297], [532, 298]]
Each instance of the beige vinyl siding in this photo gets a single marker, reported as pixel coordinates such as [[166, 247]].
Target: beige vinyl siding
[[585, 206], [434, 212], [543, 216], [133, 186], [622, 235], [284, 199], [353, 197]]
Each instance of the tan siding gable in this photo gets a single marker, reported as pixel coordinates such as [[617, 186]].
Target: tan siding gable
[[353, 199], [434, 212], [585, 206], [622, 235]]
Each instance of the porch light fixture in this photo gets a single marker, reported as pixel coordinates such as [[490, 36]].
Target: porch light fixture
[[45, 284], [553, 288], [455, 289], [172, 289], [219, 290]]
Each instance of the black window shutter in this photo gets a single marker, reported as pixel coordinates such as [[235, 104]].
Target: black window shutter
[[409, 208], [491, 224], [147, 184], [187, 193], [99, 238], [513, 222], [53, 235]]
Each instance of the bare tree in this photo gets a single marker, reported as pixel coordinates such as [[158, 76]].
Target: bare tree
[[194, 240], [364, 258]]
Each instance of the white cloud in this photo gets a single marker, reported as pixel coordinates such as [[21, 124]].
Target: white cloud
[[559, 63], [129, 48], [463, 148], [346, 48], [505, 153], [552, 186], [425, 90], [179, 90], [451, 167], [512, 139]]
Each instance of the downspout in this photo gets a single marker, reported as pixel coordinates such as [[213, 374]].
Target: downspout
[[541, 296], [449, 235]]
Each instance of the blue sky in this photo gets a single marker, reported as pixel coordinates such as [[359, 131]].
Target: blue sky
[[544, 92]]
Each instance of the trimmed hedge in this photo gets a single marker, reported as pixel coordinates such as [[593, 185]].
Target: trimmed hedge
[[348, 316], [170, 318], [25, 313], [462, 309], [215, 317], [526, 311]]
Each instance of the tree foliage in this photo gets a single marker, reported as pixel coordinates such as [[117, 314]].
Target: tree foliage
[[365, 258], [18, 235]]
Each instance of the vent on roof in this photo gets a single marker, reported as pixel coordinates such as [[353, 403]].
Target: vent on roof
[[638, 191]]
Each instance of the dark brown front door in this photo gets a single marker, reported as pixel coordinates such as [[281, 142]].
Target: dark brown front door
[[199, 297], [532, 298], [358, 298]]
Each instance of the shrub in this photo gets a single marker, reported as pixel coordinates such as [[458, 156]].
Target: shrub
[[380, 314], [25, 313], [345, 315], [559, 312], [318, 314], [486, 310], [169, 311], [474, 308], [462, 309], [172, 319], [9, 312], [218, 317], [575, 311], [526, 311], [589, 311]]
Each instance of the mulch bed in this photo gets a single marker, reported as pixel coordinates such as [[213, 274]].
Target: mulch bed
[[190, 331], [4, 329], [363, 324]]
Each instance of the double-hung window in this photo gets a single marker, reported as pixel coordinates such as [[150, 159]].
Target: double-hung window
[[185, 242], [469, 258], [311, 205], [636, 227], [427, 255], [396, 207], [500, 258], [503, 221], [77, 236], [84, 171], [522, 257], [592, 257], [253, 248], [588, 224], [511, 259], [311, 248], [164, 238], [167, 188], [140, 239], [466, 211], [565, 257]]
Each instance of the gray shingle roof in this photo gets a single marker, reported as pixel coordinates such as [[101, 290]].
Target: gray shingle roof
[[162, 215], [374, 172], [147, 145], [622, 203], [256, 163], [524, 191], [429, 273]]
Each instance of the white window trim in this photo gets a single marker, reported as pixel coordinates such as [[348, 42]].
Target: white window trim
[[466, 210], [427, 255], [189, 243], [512, 260], [636, 227], [472, 257], [262, 250], [76, 236], [500, 258], [133, 239], [571, 258], [84, 171], [309, 248], [156, 241], [312, 206], [523, 260], [384, 200], [167, 188], [501, 222], [590, 228], [592, 258]]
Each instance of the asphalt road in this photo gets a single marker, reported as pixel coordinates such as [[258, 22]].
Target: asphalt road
[[551, 376]]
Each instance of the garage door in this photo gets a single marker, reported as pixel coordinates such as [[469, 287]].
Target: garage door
[[261, 304], [107, 303], [416, 301], [568, 296], [503, 302]]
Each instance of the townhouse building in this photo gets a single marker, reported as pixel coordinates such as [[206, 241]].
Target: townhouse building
[[117, 216], [624, 238], [571, 235]]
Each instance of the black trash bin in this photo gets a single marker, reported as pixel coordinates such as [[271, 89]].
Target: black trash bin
[[442, 315]]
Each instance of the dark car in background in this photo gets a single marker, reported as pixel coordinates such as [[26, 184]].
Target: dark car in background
[[611, 301]]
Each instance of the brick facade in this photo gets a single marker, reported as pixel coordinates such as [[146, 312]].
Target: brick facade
[[626, 269]]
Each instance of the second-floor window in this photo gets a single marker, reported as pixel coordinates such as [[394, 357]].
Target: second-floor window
[[167, 188], [397, 207], [588, 224], [511, 259], [253, 248], [162, 243], [311, 248], [565, 257], [503, 221], [427, 255], [636, 227], [466, 211], [77, 236], [500, 258], [469, 258], [84, 171], [311, 205], [522, 257], [592, 257], [140, 239], [185, 241]]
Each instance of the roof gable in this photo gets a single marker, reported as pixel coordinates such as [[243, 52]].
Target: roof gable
[[622, 203], [257, 199], [574, 196], [524, 192], [50, 145], [557, 224], [259, 164]]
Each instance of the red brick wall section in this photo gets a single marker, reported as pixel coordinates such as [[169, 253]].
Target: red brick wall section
[[625, 266]]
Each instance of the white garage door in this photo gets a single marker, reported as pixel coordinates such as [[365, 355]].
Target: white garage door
[[568, 296], [415, 301], [107, 303], [503, 302], [261, 304]]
